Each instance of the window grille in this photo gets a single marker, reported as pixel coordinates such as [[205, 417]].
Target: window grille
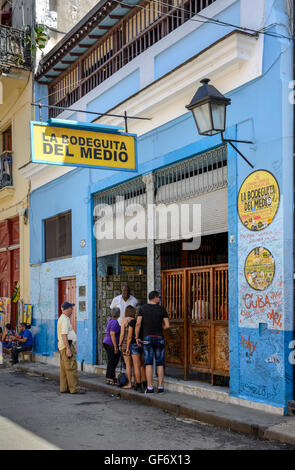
[[131, 192], [198, 175]]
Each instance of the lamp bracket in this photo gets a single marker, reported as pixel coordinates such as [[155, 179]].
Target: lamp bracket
[[230, 141]]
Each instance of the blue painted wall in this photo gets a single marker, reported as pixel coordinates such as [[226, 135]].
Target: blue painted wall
[[260, 111]]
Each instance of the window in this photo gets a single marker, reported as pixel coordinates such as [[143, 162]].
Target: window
[[6, 13], [6, 159], [7, 140], [53, 5], [58, 236]]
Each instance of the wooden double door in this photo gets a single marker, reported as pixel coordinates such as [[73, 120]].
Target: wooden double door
[[197, 303]]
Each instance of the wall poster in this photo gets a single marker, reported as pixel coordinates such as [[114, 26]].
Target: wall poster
[[258, 200], [259, 268]]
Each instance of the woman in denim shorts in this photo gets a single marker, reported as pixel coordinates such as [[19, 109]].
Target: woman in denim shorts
[[136, 353]]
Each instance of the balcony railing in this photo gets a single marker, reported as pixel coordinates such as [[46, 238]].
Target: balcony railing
[[128, 39], [5, 169], [13, 48]]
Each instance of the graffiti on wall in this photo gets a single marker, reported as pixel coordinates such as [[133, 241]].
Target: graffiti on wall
[[262, 308]]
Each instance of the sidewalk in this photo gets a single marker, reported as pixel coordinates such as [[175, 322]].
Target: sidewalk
[[229, 416]]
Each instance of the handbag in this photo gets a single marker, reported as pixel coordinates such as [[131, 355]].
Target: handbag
[[122, 377]]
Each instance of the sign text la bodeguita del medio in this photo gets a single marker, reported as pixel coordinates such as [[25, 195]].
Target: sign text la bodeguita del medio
[[79, 147]]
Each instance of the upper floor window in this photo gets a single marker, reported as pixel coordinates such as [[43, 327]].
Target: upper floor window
[[7, 140], [58, 236], [6, 159], [6, 13]]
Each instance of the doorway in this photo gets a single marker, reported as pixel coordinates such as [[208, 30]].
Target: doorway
[[67, 293], [195, 294]]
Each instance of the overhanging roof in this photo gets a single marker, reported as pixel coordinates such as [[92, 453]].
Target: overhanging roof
[[90, 29]]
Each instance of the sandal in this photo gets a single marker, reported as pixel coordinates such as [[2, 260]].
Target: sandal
[[110, 382]]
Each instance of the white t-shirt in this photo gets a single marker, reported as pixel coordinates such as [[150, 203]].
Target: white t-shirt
[[64, 327], [119, 302]]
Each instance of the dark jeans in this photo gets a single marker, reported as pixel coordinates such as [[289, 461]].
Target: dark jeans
[[113, 360], [15, 350], [154, 346]]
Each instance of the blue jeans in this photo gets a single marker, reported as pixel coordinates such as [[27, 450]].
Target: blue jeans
[[134, 349], [153, 346]]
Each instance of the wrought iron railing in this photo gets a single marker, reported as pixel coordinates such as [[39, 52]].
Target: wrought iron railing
[[5, 169], [14, 51], [149, 23]]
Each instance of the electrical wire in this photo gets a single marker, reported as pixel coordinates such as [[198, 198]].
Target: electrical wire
[[204, 20], [212, 20]]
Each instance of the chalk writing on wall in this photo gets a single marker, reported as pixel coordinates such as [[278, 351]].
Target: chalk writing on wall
[[248, 344]]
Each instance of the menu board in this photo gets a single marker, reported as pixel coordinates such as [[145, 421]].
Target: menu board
[[259, 268], [258, 200]]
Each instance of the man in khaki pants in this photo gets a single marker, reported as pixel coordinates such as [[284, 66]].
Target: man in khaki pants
[[67, 349]]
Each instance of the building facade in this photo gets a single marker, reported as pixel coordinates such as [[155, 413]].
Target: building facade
[[18, 58], [230, 297]]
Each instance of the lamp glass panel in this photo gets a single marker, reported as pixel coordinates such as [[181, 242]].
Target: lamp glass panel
[[218, 115], [202, 117]]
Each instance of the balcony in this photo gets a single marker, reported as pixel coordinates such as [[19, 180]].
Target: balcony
[[14, 52]]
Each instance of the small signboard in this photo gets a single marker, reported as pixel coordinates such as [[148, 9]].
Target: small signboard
[[83, 145], [131, 260], [258, 200]]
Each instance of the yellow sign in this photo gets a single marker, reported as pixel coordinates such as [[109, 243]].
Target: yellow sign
[[258, 200], [128, 268], [259, 268], [132, 260], [74, 146]]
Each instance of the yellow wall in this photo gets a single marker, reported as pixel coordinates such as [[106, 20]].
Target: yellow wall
[[16, 110]]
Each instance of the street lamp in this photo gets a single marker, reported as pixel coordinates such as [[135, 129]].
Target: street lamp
[[208, 107]]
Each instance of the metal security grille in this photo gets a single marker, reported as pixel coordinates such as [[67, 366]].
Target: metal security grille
[[198, 175], [131, 192]]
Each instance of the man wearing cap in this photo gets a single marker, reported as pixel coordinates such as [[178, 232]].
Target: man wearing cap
[[67, 338]]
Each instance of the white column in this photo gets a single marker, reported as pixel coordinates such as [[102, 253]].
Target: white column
[[150, 199]]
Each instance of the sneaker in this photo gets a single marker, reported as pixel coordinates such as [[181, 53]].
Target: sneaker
[[148, 390], [138, 388], [160, 389]]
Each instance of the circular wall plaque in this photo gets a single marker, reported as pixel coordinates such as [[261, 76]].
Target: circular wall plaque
[[258, 200], [259, 268]]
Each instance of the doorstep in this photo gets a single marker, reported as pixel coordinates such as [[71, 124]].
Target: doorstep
[[188, 387]]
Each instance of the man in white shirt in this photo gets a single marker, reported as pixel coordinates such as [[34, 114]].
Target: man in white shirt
[[67, 340], [122, 301]]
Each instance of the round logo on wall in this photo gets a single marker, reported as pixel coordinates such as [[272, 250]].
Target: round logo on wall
[[259, 268], [258, 200]]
